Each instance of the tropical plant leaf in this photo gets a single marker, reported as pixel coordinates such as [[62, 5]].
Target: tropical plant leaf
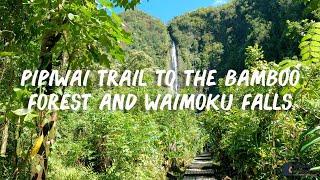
[[310, 143], [22, 112], [3, 54], [315, 169], [36, 146], [303, 44], [312, 131], [306, 37]]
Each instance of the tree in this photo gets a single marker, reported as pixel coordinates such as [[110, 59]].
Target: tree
[[47, 35]]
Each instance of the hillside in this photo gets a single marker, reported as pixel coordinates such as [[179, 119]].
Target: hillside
[[150, 36], [217, 37]]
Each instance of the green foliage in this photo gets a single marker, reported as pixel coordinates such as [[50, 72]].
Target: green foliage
[[47, 35], [219, 36], [253, 54], [312, 6], [256, 144], [149, 36], [310, 44], [128, 145], [310, 56], [314, 140]]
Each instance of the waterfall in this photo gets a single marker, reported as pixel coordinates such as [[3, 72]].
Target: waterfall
[[174, 67]]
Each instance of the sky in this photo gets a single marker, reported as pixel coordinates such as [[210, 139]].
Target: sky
[[165, 10]]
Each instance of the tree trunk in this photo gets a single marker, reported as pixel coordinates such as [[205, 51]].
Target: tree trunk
[[39, 168], [5, 135]]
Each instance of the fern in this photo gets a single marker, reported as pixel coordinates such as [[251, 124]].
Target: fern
[[310, 45], [310, 52]]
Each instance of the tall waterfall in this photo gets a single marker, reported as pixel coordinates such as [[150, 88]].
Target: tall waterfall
[[174, 67]]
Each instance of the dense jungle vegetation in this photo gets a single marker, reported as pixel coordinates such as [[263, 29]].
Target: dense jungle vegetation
[[93, 144], [218, 37]]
